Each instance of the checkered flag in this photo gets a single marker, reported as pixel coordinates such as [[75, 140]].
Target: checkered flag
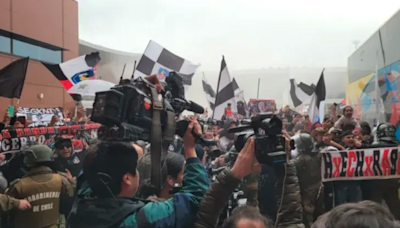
[[158, 60]]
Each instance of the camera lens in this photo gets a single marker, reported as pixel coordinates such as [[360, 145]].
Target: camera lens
[[272, 126], [240, 140]]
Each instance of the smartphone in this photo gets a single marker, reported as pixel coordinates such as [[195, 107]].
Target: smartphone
[[11, 110], [78, 104]]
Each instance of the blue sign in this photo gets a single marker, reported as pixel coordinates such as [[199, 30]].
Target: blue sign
[[82, 76], [164, 72]]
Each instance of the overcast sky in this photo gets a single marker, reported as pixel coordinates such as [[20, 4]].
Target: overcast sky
[[251, 34]]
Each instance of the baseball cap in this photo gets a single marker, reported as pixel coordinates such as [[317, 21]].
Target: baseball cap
[[318, 130]]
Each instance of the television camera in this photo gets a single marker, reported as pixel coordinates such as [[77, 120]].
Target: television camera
[[126, 110], [269, 145]]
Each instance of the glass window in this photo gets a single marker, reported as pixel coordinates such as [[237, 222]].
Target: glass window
[[35, 52], [5, 44]]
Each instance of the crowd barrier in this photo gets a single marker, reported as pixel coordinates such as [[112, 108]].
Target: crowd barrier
[[362, 164], [14, 140]]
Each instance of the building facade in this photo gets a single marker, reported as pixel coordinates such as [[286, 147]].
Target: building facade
[[44, 30], [380, 52]]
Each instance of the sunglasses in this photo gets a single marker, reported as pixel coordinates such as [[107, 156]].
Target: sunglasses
[[62, 145]]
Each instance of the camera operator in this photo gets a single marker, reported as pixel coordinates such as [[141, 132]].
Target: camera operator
[[226, 182], [250, 182], [108, 198]]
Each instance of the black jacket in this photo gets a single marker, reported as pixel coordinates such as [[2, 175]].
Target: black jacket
[[215, 199], [73, 164]]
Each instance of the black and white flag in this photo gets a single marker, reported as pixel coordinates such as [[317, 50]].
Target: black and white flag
[[300, 93], [158, 60], [225, 92], [239, 94], [209, 91], [318, 96]]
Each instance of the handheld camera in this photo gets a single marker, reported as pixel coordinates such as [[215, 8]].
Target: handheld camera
[[266, 128]]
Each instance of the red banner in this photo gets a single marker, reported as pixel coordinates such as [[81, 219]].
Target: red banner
[[15, 139]]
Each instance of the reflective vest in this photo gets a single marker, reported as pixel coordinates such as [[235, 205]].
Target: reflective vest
[[44, 198]]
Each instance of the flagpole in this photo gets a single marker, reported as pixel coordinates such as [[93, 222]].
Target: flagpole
[[377, 97], [258, 88], [377, 88], [219, 79]]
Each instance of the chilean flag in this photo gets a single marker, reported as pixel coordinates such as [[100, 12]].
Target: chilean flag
[[75, 70]]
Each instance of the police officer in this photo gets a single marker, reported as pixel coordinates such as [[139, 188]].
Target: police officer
[[42, 188], [8, 203], [308, 169], [377, 190]]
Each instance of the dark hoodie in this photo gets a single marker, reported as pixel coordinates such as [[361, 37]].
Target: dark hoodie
[[106, 213]]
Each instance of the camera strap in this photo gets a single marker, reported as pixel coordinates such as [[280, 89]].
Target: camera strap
[[156, 140]]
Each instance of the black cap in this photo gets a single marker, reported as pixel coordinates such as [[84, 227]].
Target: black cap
[[346, 133]]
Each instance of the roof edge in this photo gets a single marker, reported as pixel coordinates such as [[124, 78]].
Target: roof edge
[[102, 48], [398, 11]]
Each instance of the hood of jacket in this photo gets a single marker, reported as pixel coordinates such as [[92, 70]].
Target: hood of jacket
[[102, 213]]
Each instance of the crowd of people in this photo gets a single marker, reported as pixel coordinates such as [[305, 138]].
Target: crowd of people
[[95, 183]]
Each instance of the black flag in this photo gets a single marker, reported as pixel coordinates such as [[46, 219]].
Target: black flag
[[12, 78]]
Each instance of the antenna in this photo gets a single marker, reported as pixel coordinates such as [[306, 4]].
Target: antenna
[[134, 68], [123, 70], [355, 43]]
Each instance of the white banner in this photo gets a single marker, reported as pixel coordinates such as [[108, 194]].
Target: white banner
[[41, 116], [363, 164]]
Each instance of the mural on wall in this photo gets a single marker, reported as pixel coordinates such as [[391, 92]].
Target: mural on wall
[[361, 94]]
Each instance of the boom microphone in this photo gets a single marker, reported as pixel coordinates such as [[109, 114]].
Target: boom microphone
[[194, 107]]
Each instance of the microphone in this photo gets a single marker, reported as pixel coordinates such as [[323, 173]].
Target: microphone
[[194, 107]]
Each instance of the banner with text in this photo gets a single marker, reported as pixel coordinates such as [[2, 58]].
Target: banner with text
[[41, 116], [12, 141], [363, 164], [256, 106]]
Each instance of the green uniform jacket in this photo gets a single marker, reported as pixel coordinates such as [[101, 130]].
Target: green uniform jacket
[[38, 175], [8, 203]]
